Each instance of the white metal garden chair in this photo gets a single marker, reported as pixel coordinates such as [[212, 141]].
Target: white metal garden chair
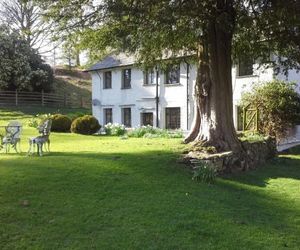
[[41, 140], [12, 137]]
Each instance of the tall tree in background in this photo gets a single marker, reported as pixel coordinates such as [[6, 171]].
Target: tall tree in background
[[213, 30], [26, 17], [21, 67]]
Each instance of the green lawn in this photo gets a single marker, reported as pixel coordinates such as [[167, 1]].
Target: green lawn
[[107, 193]]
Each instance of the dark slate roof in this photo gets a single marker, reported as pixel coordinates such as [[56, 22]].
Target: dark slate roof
[[113, 61]]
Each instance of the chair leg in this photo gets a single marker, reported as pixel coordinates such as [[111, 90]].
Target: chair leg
[[30, 148], [15, 147], [48, 142], [40, 146]]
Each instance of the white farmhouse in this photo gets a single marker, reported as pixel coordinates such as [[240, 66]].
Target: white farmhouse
[[123, 93]]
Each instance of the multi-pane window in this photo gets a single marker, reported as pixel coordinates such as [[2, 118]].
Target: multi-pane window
[[126, 117], [245, 68], [172, 118], [147, 119], [149, 77], [107, 80], [108, 116], [126, 79], [173, 74]]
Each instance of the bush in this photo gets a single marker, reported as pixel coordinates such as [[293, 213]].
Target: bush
[[60, 123], [279, 107], [150, 132], [205, 173], [38, 120], [114, 129], [141, 131], [86, 125], [21, 67]]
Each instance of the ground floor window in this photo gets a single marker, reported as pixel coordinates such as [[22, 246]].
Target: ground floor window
[[172, 118], [147, 119], [126, 117], [108, 115]]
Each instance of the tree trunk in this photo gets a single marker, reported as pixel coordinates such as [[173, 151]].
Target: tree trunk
[[214, 122], [77, 58]]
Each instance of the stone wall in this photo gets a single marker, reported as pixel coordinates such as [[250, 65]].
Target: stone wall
[[255, 154]]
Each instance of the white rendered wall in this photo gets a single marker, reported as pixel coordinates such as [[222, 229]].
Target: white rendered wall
[[141, 98]]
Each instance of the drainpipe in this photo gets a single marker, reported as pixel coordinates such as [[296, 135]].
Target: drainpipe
[[156, 97], [187, 94]]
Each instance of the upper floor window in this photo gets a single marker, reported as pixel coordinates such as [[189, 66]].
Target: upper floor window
[[245, 68], [126, 79], [149, 77], [107, 80], [173, 74]]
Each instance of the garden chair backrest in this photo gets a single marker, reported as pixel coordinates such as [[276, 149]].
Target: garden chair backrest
[[45, 127], [14, 129]]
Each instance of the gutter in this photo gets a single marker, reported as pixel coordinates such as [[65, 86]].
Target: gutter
[[187, 94], [157, 97]]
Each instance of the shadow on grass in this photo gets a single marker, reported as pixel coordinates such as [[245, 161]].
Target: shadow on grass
[[286, 165], [140, 199]]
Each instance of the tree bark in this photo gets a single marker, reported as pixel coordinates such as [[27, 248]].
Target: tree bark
[[214, 117]]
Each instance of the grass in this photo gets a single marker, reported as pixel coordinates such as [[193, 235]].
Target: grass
[[106, 193]]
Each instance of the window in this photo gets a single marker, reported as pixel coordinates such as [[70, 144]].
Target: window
[[173, 74], [126, 117], [108, 115], [126, 79], [172, 118], [149, 77], [147, 119], [107, 80], [245, 68]]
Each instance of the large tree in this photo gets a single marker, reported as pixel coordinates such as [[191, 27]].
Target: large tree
[[213, 30], [27, 17], [21, 67]]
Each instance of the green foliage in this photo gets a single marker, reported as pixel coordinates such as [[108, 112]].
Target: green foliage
[[279, 106], [151, 132], [33, 122], [36, 121], [61, 123], [114, 129], [141, 131], [86, 125], [21, 68], [251, 136], [205, 173], [177, 26]]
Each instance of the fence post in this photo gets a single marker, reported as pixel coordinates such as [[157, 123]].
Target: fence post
[[16, 98], [65, 99], [81, 102], [43, 99]]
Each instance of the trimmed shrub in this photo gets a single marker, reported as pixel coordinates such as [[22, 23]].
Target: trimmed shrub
[[60, 123], [279, 107], [85, 125]]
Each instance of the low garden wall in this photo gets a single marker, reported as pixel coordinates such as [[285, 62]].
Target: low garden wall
[[256, 154]]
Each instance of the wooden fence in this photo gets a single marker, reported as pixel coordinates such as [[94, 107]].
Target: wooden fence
[[16, 98]]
